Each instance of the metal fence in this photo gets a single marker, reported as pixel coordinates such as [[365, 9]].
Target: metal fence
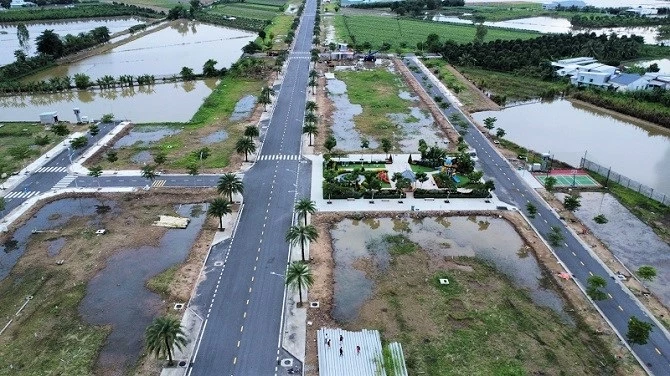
[[624, 181]]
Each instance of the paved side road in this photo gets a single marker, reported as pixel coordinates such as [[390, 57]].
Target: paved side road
[[576, 256]]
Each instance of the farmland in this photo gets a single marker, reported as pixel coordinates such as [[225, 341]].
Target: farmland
[[406, 33], [248, 10]]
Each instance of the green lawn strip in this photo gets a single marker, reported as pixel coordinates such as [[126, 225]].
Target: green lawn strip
[[380, 29], [511, 86], [464, 93], [17, 138], [160, 283], [241, 10], [482, 324], [48, 338], [377, 92], [279, 27], [651, 212], [419, 168]]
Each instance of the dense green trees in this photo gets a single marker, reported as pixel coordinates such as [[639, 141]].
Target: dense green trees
[[80, 11], [299, 276], [651, 105]]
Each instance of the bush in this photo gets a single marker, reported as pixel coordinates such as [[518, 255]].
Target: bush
[[384, 194], [444, 193]]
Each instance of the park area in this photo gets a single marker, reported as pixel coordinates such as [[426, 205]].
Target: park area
[[464, 295]]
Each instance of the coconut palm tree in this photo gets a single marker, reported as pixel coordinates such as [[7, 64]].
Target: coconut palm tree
[[149, 172], [310, 118], [311, 106], [251, 131], [228, 184], [95, 172], [303, 207], [246, 146], [301, 234], [218, 208], [163, 334], [312, 130], [299, 276]]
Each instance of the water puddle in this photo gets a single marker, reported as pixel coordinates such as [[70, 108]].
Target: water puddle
[[640, 245], [50, 218], [348, 138], [144, 135], [490, 239], [406, 95], [416, 125], [142, 157], [215, 137], [55, 246], [117, 296], [243, 108]]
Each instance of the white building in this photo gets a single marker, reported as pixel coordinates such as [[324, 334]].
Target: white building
[[628, 82], [21, 4], [659, 80], [564, 4]]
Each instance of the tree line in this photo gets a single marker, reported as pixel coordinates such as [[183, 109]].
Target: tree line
[[418, 7], [651, 105], [617, 21], [533, 55], [79, 11]]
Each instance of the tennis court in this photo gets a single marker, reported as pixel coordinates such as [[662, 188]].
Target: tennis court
[[569, 178]]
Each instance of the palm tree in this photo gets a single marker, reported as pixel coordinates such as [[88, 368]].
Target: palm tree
[[303, 207], [228, 184], [251, 131], [218, 208], [310, 118], [162, 335], [95, 171], [313, 83], [149, 172], [299, 276], [301, 234], [246, 146], [266, 94], [311, 106], [312, 130]]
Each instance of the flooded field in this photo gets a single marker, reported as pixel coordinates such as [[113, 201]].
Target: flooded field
[[562, 25], [145, 135], [10, 43], [663, 64], [113, 295], [595, 3], [641, 246], [568, 131], [51, 217], [407, 128], [173, 102], [163, 53], [493, 240]]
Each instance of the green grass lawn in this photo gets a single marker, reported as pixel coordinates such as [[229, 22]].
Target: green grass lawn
[[279, 27], [406, 33], [17, 144], [376, 91], [256, 11], [513, 87], [418, 168], [166, 4]]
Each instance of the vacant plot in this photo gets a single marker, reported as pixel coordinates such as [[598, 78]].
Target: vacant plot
[[279, 28], [49, 337], [182, 149], [406, 33], [20, 143], [511, 87], [471, 98]]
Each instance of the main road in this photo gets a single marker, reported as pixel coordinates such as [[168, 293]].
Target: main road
[[242, 296], [511, 188]]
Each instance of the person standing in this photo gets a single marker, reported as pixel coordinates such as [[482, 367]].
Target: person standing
[[328, 342], [358, 350], [341, 351]]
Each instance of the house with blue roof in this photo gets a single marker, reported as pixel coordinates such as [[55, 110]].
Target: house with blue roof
[[628, 82]]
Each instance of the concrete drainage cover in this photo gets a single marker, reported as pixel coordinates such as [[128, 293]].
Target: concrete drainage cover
[[218, 263], [314, 305], [288, 362], [444, 281], [178, 306]]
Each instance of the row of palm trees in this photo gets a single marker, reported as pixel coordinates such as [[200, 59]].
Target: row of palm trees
[[227, 185], [311, 120]]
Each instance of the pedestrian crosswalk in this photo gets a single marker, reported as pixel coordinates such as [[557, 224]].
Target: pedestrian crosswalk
[[278, 157], [65, 182], [21, 194], [52, 169], [158, 183]]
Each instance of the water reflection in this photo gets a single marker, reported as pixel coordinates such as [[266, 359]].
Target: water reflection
[[174, 102], [569, 130]]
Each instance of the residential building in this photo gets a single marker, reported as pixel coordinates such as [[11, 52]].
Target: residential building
[[21, 4], [628, 82], [658, 80]]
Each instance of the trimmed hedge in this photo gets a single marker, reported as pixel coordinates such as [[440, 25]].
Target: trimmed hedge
[[443, 193]]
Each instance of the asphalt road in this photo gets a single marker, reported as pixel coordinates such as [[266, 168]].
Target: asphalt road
[[46, 177], [574, 255], [242, 296]]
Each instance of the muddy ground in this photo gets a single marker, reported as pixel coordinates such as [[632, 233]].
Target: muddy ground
[[322, 290]]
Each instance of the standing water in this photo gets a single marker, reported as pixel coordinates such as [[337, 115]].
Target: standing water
[[568, 131]]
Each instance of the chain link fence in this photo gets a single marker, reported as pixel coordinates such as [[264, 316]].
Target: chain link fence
[[624, 181]]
